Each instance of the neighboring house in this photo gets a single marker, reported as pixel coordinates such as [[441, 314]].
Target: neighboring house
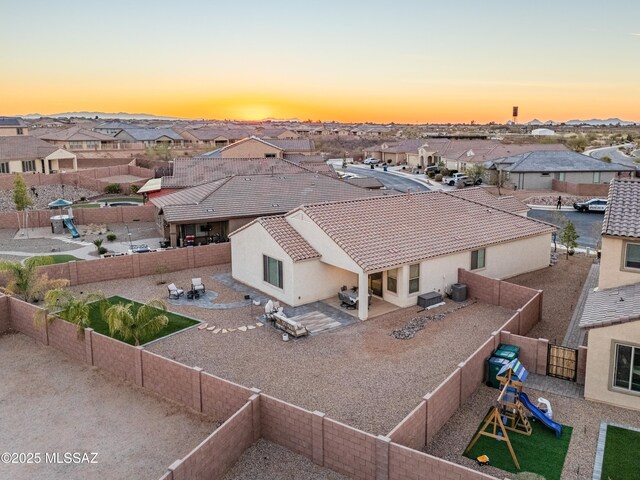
[[215, 137], [537, 170], [23, 154], [281, 133], [112, 128], [254, 147], [215, 209], [394, 152], [13, 126], [150, 136], [386, 244], [611, 315], [78, 138], [542, 132]]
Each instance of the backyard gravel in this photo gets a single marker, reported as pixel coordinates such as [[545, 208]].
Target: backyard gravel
[[582, 415], [45, 194], [267, 460], [561, 286], [357, 374], [50, 403]]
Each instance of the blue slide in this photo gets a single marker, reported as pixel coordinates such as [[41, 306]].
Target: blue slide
[[538, 414], [72, 228]]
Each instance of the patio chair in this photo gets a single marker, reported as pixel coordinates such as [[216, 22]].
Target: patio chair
[[197, 285], [174, 292]]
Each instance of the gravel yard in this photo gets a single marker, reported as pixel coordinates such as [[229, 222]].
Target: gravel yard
[[265, 459], [561, 285], [45, 194], [539, 197], [357, 374], [582, 415], [51, 403]]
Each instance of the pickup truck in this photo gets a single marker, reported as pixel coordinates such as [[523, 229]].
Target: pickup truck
[[458, 178]]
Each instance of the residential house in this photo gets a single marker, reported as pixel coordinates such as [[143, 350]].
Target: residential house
[[281, 133], [388, 245], [78, 139], [150, 137], [611, 315], [217, 208], [537, 170], [112, 128], [254, 147], [13, 126], [215, 137], [23, 154], [394, 152]]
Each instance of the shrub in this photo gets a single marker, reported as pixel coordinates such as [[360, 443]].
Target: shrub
[[134, 188], [112, 188], [111, 236], [445, 172], [102, 250], [438, 177], [431, 174]]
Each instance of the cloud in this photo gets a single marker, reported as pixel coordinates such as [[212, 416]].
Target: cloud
[[635, 34]]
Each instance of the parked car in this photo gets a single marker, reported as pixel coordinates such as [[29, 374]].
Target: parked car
[[461, 178], [371, 161], [593, 205]]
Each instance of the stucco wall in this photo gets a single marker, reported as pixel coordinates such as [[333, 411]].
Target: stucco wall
[[611, 271], [250, 149], [600, 362]]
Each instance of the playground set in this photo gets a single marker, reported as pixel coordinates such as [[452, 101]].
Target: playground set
[[508, 413]]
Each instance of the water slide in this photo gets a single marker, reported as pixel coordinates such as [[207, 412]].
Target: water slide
[[72, 228], [539, 415]]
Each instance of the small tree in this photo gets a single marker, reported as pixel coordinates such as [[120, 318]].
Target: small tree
[[475, 171], [25, 280], [74, 310], [21, 197], [569, 237], [148, 320], [161, 270]]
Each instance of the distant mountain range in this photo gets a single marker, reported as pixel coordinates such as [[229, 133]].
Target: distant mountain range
[[119, 115], [593, 122]]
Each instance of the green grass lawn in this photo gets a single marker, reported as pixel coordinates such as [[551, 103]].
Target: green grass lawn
[[86, 205], [621, 460], [63, 258], [176, 322], [122, 199], [541, 453]]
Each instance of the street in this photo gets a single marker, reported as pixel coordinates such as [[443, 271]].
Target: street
[[614, 154], [389, 180], [586, 223]]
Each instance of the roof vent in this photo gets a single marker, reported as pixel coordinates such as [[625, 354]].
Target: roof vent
[[275, 204], [247, 179], [209, 210]]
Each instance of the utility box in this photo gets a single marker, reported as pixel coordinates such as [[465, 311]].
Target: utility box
[[427, 299]]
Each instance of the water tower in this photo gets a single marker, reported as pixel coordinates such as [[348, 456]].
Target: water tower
[[515, 115]]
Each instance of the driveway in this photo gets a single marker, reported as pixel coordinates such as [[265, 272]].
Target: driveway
[[586, 223], [391, 180]]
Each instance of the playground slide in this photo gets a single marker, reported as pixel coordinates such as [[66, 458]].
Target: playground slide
[[538, 414], [72, 228]]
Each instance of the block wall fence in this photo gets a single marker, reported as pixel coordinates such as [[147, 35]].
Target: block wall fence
[[247, 413]]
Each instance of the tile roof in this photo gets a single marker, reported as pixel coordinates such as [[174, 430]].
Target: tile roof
[[75, 134], [611, 306], [480, 195], [25, 148], [554, 161], [384, 232], [254, 196], [188, 172], [301, 158], [365, 182], [150, 134], [207, 134], [288, 238], [402, 146], [622, 217], [292, 144]]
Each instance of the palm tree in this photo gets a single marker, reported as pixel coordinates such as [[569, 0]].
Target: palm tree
[[74, 310], [26, 282], [149, 319]]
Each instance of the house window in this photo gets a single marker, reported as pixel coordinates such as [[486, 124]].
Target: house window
[[562, 176], [19, 131], [596, 177], [28, 165], [414, 278], [272, 271], [75, 145], [627, 368], [477, 259], [4, 167], [392, 280], [632, 256], [269, 155], [544, 174]]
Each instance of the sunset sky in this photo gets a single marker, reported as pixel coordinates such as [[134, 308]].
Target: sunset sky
[[352, 61]]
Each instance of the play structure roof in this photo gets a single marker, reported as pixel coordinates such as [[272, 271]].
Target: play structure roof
[[61, 202], [517, 368]]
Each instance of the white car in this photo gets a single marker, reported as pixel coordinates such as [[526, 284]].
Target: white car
[[371, 161]]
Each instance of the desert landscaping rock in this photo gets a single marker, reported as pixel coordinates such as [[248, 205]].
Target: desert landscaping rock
[[418, 323], [44, 194]]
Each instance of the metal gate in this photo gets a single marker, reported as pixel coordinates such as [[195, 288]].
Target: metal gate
[[562, 362]]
